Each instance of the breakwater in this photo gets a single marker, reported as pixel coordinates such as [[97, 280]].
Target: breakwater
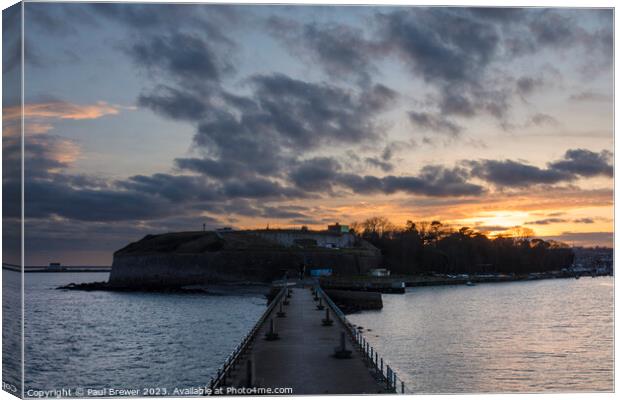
[[351, 301], [304, 342], [364, 284], [398, 283]]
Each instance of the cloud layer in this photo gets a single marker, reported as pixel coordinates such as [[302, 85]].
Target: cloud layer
[[344, 114]]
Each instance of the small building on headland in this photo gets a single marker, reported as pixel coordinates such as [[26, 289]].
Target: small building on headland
[[337, 228], [335, 237], [55, 266]]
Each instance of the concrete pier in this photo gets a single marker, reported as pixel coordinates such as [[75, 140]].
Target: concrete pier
[[303, 356]]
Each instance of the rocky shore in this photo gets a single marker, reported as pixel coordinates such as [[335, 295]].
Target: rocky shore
[[222, 289]]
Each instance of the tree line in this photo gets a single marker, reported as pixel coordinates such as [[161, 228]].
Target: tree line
[[422, 247]]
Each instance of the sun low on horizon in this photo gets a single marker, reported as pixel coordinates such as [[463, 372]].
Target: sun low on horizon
[[249, 116]]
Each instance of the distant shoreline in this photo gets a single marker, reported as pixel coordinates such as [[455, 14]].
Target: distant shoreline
[[17, 268], [398, 284]]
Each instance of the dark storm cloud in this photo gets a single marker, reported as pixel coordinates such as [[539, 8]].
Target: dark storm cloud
[[306, 113], [323, 173], [438, 44], [434, 181], [360, 184], [527, 85], [187, 58], [174, 103], [282, 212], [435, 123], [46, 198], [584, 221], [316, 174], [142, 197], [585, 163], [139, 20], [283, 118], [43, 154], [550, 28], [384, 160], [63, 19], [409, 184], [249, 142], [152, 197], [220, 169], [340, 50], [260, 188], [514, 174], [190, 188], [211, 19], [450, 49], [576, 163], [385, 166], [546, 221], [558, 29], [177, 188], [505, 15], [257, 208], [52, 192]]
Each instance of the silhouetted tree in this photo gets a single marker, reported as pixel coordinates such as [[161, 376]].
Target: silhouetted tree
[[421, 247]]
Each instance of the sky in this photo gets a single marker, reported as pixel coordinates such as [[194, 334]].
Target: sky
[[150, 118]]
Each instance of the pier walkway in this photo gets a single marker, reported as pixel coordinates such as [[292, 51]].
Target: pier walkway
[[302, 358]]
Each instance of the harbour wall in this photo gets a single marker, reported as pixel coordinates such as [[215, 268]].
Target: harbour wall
[[182, 269]]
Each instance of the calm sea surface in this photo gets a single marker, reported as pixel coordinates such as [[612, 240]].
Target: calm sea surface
[[543, 336], [537, 336], [128, 340]]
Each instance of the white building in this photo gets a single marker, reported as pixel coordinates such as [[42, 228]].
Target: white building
[[331, 239]]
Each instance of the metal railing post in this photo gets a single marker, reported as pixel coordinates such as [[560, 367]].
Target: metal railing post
[[369, 352], [246, 343]]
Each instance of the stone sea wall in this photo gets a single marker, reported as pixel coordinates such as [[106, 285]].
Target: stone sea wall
[[352, 301], [174, 269]]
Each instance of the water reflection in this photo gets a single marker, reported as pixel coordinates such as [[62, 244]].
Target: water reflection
[[543, 336]]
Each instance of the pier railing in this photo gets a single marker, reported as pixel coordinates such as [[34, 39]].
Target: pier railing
[[231, 361], [386, 373]]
